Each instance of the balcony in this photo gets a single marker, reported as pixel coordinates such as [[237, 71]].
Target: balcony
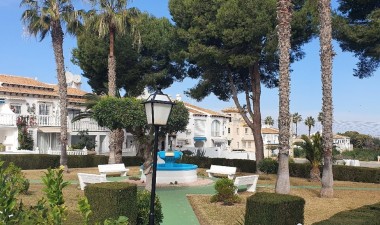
[[9, 120]]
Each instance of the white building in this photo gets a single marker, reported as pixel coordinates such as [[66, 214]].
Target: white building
[[38, 102], [240, 136], [206, 129], [342, 143]]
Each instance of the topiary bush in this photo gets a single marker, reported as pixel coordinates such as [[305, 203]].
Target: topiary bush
[[143, 204], [272, 208], [112, 200], [268, 166], [225, 189]]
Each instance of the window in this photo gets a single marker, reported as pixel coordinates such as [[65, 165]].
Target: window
[[44, 109], [237, 131], [215, 128], [243, 142], [249, 144], [2, 101], [73, 112], [246, 130], [16, 108], [229, 130]]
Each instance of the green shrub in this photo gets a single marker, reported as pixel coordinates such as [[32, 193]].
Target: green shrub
[[19, 181], [143, 203], [225, 189], [272, 208], [367, 214], [268, 166], [8, 197], [243, 165], [111, 200], [85, 210]]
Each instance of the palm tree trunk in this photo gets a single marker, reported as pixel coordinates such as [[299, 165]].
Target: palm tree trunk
[[326, 55], [57, 39], [296, 129], [112, 92], [284, 17], [315, 173]]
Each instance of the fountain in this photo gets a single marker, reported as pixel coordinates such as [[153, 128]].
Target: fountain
[[172, 172]]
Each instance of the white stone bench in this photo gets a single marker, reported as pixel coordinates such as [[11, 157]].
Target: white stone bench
[[88, 178], [378, 158], [226, 170], [250, 181], [113, 168]]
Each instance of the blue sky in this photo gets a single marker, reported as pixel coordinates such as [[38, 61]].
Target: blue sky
[[356, 102]]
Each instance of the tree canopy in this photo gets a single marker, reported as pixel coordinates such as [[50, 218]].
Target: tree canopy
[[357, 25], [149, 61], [231, 46], [129, 113]]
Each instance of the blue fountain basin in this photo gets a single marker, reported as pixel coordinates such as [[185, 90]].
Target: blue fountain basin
[[176, 166]]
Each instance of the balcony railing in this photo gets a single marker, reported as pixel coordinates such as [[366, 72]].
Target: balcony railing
[[51, 121], [8, 119]]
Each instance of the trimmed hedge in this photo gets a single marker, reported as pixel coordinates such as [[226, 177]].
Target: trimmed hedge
[[272, 208], [111, 200], [356, 174], [243, 165], [367, 214], [42, 161]]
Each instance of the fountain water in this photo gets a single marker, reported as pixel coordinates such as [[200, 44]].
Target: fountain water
[[172, 172]]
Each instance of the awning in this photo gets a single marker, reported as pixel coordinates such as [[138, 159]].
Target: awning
[[200, 138], [219, 140], [50, 129]]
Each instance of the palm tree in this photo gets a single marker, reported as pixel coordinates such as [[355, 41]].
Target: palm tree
[[49, 16], [296, 118], [310, 122], [109, 20], [269, 121], [314, 152], [284, 18], [320, 117], [326, 56]]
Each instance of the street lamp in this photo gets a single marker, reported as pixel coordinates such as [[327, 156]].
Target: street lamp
[[157, 107]]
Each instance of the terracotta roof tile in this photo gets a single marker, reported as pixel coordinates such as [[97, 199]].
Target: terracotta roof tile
[[230, 110], [269, 130], [24, 85], [203, 110]]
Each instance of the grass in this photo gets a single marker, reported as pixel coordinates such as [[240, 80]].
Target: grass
[[316, 208]]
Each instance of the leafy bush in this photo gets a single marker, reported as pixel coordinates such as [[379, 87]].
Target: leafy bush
[[19, 182], [268, 165], [299, 152], [243, 165], [8, 197], [143, 203], [121, 200], [85, 210], [367, 214], [361, 154], [225, 189], [261, 208]]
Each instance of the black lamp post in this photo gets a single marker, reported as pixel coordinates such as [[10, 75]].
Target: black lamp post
[[157, 107]]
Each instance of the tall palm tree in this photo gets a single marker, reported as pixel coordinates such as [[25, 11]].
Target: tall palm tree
[[314, 152], [49, 16], [109, 19], [296, 118], [310, 122], [284, 18], [268, 121], [326, 56]]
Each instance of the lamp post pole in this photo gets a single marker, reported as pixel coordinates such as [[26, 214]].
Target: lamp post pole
[[158, 107], [153, 191]]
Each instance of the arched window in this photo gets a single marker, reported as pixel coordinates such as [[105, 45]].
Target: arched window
[[215, 128]]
